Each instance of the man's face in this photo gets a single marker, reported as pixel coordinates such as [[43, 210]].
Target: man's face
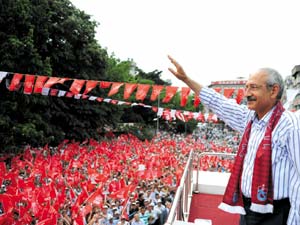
[[260, 97]]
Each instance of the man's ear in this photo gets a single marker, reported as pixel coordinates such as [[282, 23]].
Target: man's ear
[[275, 90]]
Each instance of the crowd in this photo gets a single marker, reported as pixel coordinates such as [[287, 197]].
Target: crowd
[[114, 181]]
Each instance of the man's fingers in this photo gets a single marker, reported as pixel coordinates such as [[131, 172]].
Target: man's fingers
[[171, 70]]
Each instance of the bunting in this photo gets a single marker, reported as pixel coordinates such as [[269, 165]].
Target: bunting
[[44, 85]]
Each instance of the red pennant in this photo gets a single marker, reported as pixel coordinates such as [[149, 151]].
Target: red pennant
[[156, 89], [129, 88], [90, 85], [218, 89], [201, 117], [53, 92], [240, 95], [185, 91], [170, 92], [196, 101], [114, 88], [142, 91], [105, 84], [54, 80], [28, 84], [228, 92], [15, 82], [39, 83], [179, 115], [76, 86]]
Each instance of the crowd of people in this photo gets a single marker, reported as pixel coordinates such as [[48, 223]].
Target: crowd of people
[[114, 181]]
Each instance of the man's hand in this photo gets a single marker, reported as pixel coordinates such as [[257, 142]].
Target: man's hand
[[179, 73]]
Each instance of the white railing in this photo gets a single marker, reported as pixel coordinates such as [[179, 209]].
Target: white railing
[[181, 204]]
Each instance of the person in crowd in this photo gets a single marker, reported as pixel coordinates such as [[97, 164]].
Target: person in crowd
[[162, 211], [123, 221], [144, 215], [154, 215], [136, 220], [264, 186]]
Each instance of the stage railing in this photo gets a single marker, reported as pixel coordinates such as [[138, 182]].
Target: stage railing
[[181, 204]]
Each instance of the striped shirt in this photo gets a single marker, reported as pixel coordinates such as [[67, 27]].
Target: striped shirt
[[285, 147]]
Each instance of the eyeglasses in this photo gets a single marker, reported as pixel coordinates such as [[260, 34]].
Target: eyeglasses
[[255, 87]]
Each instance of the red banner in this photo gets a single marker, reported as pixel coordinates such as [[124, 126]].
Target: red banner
[[142, 91], [15, 82], [28, 84], [170, 92], [129, 88], [114, 88], [185, 91]]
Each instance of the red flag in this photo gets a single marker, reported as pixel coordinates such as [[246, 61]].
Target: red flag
[[7, 202], [39, 83], [156, 89], [96, 197], [54, 80], [196, 101], [53, 92], [201, 117], [89, 85], [105, 84], [228, 92], [170, 92], [129, 88], [179, 115], [142, 91], [3, 167], [185, 91], [240, 95], [217, 89], [15, 82], [28, 84], [76, 86], [114, 88]]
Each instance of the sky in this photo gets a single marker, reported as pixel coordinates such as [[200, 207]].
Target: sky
[[212, 39]]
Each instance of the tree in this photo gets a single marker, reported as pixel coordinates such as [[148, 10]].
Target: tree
[[50, 38]]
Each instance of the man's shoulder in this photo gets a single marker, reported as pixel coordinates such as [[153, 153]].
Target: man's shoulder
[[291, 119]]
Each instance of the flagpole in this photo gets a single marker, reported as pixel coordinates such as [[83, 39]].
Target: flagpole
[[157, 121]]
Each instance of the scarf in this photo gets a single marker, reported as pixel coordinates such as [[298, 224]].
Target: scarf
[[262, 185]]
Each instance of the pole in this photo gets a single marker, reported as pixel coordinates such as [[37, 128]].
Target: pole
[[157, 121]]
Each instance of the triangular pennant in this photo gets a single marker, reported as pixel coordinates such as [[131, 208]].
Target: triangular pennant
[[129, 88], [90, 85], [39, 83], [28, 84], [218, 89], [142, 91], [240, 95], [228, 92], [15, 82], [196, 101], [156, 89], [114, 88], [170, 92], [55, 80], [76, 86], [185, 91], [105, 84]]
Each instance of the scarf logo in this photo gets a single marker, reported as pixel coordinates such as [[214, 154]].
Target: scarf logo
[[235, 197], [262, 193]]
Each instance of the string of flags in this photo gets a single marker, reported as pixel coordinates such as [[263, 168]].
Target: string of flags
[[80, 89]]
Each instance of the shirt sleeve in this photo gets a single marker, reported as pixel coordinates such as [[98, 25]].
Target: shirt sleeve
[[234, 115], [293, 144]]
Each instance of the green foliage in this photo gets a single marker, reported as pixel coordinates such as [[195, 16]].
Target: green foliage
[[54, 38]]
